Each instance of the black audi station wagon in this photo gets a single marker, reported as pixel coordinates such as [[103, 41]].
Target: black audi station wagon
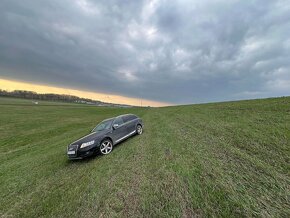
[[105, 135]]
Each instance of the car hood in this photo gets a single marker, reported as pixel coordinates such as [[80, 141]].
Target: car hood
[[90, 137]]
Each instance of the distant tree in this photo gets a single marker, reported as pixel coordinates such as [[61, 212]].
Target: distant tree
[[52, 97]]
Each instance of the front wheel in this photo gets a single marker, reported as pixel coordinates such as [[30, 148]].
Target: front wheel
[[106, 146], [139, 129]]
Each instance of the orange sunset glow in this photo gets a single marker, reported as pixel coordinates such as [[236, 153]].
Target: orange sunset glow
[[10, 85]]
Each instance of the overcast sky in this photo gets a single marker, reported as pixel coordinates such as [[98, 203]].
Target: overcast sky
[[170, 51]]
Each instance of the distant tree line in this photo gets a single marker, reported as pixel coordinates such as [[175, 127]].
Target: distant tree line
[[49, 97]]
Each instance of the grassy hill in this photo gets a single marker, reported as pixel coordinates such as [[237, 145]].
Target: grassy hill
[[219, 160]]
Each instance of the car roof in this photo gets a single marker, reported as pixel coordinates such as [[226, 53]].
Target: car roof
[[122, 115], [109, 119], [125, 115]]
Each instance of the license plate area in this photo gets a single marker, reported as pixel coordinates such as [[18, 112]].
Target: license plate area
[[71, 152]]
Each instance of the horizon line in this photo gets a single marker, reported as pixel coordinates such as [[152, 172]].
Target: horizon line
[[10, 85]]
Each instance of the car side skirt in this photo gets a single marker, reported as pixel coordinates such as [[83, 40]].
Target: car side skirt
[[124, 137]]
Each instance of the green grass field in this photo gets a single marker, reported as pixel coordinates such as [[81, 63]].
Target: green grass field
[[211, 160]]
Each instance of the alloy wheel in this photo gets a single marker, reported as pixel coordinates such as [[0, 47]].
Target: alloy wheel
[[139, 130], [106, 147]]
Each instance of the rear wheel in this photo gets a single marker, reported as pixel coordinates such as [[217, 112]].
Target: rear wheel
[[106, 146], [139, 129]]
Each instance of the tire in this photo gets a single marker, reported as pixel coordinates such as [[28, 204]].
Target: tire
[[106, 147], [139, 129]]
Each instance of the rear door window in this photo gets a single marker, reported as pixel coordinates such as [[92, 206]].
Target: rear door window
[[118, 121], [126, 118], [132, 117]]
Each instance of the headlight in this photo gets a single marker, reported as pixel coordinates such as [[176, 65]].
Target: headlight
[[87, 144]]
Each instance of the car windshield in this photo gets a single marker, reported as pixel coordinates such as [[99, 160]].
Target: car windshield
[[106, 124]]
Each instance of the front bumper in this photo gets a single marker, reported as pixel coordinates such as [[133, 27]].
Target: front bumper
[[81, 153]]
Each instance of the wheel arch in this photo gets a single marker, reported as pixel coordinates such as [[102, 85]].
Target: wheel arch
[[107, 137], [138, 123]]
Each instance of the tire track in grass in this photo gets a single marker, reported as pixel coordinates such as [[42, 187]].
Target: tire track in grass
[[165, 192], [123, 189]]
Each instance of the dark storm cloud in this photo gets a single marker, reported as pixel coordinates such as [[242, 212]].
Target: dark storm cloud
[[172, 51]]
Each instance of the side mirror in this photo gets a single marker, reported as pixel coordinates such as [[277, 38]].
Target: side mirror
[[115, 126]]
